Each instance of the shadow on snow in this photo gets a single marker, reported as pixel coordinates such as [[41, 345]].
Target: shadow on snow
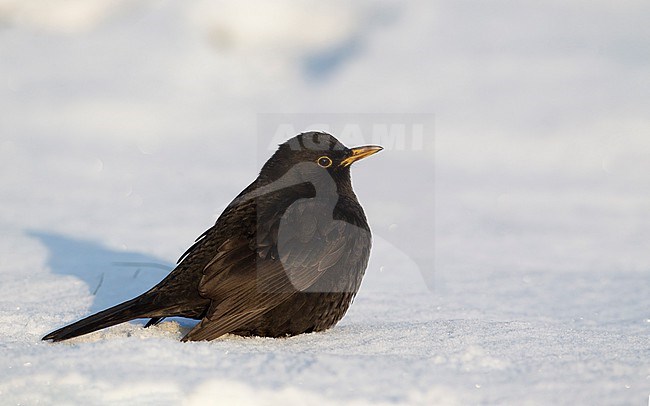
[[112, 276]]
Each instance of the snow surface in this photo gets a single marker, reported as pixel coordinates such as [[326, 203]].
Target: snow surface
[[510, 262]]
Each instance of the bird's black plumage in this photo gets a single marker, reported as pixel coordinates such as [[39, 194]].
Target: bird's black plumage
[[285, 257]]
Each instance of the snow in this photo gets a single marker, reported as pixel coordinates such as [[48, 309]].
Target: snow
[[510, 262]]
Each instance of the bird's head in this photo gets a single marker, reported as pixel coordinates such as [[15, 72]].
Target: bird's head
[[313, 154]]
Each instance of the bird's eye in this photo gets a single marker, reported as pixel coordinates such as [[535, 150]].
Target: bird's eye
[[324, 162]]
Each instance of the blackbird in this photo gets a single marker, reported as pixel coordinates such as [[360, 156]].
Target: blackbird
[[285, 257]]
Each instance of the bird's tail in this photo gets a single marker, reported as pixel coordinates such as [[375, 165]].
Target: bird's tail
[[129, 310]]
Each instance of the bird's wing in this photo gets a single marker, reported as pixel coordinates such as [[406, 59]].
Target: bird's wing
[[302, 250]]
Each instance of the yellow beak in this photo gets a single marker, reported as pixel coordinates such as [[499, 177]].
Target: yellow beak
[[360, 153]]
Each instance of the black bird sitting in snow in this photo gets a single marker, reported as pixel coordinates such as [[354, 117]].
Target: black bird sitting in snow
[[286, 257]]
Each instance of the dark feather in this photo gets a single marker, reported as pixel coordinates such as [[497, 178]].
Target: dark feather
[[285, 257]]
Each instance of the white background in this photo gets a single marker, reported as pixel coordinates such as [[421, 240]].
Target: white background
[[127, 126]]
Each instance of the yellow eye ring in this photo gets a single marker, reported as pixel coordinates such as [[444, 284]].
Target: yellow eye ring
[[324, 162]]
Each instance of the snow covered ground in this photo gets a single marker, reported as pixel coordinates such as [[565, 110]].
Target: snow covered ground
[[510, 263]]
